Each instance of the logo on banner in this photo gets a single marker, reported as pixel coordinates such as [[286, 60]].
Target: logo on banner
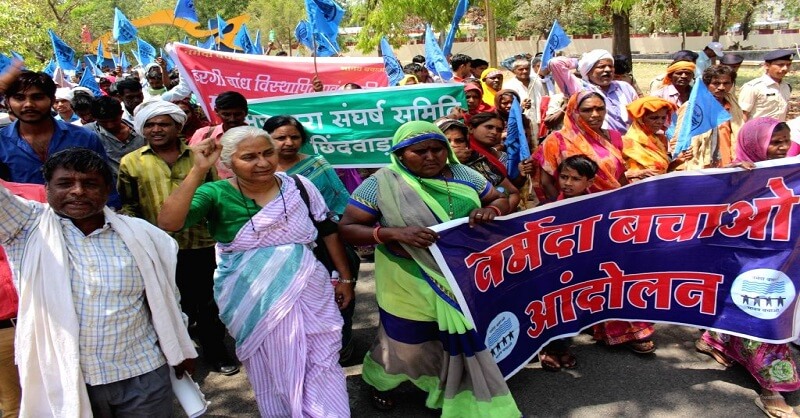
[[763, 293], [502, 335]]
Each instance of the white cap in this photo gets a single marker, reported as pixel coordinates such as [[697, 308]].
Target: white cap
[[717, 48], [64, 93]]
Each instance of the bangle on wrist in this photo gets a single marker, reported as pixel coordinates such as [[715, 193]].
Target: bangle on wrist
[[496, 209], [347, 281], [375, 235]]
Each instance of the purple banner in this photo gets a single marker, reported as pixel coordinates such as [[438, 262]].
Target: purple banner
[[715, 249]]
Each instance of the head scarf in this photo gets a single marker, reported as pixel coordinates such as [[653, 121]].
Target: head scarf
[[488, 92], [406, 78], [645, 150], [64, 93], [577, 137], [589, 59], [482, 106], [153, 108], [498, 97], [678, 66], [414, 132], [754, 138]]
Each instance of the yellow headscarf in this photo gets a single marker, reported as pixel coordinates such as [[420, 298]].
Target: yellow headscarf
[[488, 92], [407, 77], [677, 66], [645, 150]]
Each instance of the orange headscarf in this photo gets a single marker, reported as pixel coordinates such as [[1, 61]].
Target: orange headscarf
[[677, 66], [645, 150]]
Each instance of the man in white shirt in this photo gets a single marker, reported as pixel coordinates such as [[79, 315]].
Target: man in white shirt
[[768, 95]]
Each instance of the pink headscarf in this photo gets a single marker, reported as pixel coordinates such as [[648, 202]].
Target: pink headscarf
[[754, 138]]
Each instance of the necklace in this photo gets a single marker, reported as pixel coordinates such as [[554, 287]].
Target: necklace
[[250, 215]]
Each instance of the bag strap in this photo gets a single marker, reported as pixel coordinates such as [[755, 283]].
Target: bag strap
[[303, 195]]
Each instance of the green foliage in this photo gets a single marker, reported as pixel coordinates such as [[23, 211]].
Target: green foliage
[[278, 15], [22, 27], [535, 18]]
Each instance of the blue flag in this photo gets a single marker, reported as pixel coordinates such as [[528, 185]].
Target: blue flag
[[121, 61], [101, 59], [516, 141], [123, 31], [324, 16], [242, 40], [705, 114], [208, 44], [91, 66], [65, 56], [257, 43], [461, 10], [146, 52], [167, 58], [88, 81], [305, 35], [5, 62], [50, 68], [185, 10], [556, 40], [434, 57], [221, 26], [393, 68]]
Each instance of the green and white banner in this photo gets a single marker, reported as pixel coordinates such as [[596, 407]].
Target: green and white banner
[[354, 128]]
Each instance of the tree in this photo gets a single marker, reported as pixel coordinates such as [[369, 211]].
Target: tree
[[281, 16], [621, 23]]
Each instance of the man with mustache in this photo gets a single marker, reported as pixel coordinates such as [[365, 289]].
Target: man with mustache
[[768, 95], [147, 176], [597, 71], [231, 107]]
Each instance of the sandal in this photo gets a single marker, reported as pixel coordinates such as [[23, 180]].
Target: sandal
[[568, 360], [549, 361], [774, 411], [642, 346], [703, 347], [383, 401]]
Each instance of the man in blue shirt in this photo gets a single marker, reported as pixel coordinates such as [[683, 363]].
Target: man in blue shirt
[[35, 135]]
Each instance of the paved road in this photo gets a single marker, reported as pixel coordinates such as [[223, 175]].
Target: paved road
[[675, 382]]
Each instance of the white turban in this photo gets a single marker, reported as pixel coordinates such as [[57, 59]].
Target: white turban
[[83, 89], [64, 93], [589, 59], [153, 108]]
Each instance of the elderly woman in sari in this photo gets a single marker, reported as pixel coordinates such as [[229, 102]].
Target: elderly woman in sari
[[288, 135], [772, 365], [423, 337], [274, 296], [491, 83], [583, 134], [645, 145]]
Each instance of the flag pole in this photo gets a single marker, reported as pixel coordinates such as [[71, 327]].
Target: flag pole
[[314, 53]]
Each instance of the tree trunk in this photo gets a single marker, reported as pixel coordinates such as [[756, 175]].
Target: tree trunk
[[621, 43], [745, 25], [716, 28]]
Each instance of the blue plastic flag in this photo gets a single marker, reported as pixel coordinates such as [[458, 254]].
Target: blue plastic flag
[[516, 141], [221, 26], [146, 52], [556, 40], [242, 40], [91, 66], [5, 62], [393, 68], [434, 57], [50, 68], [65, 56], [185, 10], [703, 113], [167, 58], [121, 61], [324, 46], [461, 10], [101, 59], [88, 81], [210, 43], [324, 16], [257, 43], [123, 31]]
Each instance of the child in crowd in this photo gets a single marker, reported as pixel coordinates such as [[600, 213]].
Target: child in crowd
[[575, 176]]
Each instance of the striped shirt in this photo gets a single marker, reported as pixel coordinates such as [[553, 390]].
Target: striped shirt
[[117, 340], [145, 181]]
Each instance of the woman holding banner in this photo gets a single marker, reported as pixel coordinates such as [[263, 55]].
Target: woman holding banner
[[772, 365], [583, 133], [423, 336]]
